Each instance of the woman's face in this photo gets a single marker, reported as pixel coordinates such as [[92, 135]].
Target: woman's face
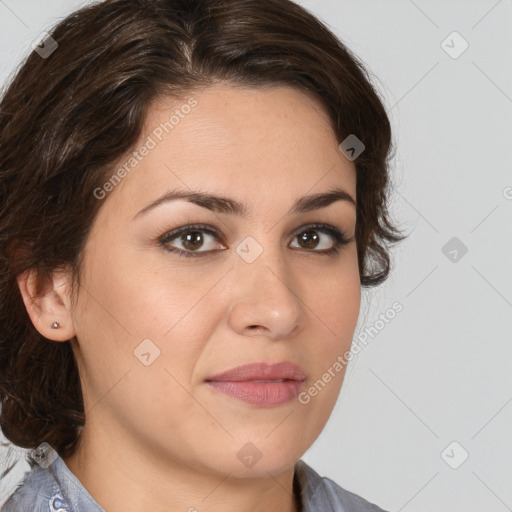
[[153, 326]]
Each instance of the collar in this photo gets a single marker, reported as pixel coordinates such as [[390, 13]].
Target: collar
[[57, 489]]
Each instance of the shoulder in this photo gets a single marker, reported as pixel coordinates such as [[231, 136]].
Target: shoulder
[[37, 492], [50, 488], [322, 493]]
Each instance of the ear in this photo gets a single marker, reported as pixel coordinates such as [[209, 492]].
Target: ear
[[51, 304]]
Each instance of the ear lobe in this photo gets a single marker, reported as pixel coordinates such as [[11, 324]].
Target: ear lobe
[[52, 303]]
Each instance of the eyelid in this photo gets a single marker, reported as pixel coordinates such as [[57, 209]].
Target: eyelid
[[174, 233], [337, 234]]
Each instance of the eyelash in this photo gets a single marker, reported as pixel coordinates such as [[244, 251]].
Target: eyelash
[[339, 238]]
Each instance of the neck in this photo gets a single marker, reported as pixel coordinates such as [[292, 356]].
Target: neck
[[125, 478]]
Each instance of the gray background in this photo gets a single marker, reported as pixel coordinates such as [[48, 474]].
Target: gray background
[[439, 372]]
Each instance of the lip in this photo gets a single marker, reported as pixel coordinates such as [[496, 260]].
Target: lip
[[261, 371], [261, 384]]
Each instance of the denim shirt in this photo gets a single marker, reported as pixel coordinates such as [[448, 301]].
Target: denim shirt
[[56, 489]]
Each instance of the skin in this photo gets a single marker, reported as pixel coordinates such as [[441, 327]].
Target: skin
[[157, 437]]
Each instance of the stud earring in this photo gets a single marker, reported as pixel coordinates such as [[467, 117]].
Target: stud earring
[[55, 325]]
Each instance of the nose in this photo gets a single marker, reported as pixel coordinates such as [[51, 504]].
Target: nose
[[265, 298]]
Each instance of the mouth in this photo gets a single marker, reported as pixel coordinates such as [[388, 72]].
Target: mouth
[[262, 371], [260, 384], [271, 380]]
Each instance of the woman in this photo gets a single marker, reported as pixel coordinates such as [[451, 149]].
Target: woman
[[193, 194]]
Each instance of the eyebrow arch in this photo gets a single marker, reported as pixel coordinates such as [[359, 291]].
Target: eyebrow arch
[[226, 205]]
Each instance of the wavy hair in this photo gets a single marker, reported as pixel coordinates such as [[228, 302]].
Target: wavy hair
[[67, 118]]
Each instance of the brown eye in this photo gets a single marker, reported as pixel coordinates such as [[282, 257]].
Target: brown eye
[[309, 239], [192, 241], [192, 238], [187, 241], [316, 239]]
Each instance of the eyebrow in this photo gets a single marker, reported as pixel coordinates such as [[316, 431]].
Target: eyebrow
[[230, 206]]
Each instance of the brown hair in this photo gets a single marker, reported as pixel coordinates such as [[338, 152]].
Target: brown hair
[[68, 117]]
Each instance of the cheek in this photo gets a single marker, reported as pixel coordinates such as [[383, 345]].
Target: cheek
[[336, 304], [173, 331], [138, 296], [336, 300]]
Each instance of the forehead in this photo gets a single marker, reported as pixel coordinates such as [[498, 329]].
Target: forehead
[[252, 143]]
